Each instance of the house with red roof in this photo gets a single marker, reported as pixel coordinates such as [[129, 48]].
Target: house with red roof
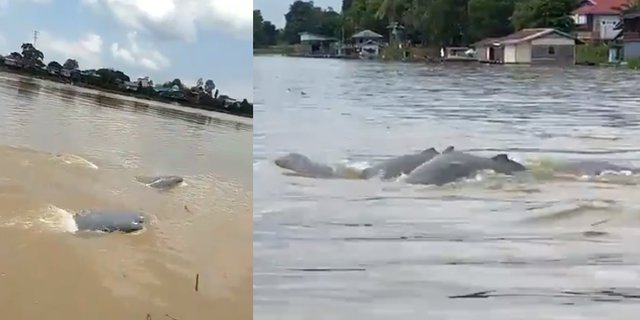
[[596, 19]]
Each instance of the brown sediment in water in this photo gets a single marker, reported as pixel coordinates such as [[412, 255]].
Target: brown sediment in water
[[47, 272]]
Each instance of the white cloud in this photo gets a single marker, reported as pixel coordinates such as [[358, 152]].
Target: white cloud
[[180, 20], [3, 45], [87, 50], [147, 58]]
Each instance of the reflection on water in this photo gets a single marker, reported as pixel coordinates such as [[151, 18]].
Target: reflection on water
[[65, 149], [492, 247]]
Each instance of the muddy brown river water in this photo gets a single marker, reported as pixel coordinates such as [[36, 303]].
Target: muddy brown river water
[[63, 149]]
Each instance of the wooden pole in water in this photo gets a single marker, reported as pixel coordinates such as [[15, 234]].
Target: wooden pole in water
[[197, 281]]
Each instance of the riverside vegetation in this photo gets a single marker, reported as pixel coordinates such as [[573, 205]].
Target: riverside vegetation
[[427, 23], [204, 95]]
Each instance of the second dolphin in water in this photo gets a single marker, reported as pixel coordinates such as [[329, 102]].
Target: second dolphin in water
[[391, 168], [451, 166], [302, 165], [161, 182], [109, 221], [397, 166]]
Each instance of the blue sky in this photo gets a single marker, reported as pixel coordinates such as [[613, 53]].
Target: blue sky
[[164, 39], [274, 10]]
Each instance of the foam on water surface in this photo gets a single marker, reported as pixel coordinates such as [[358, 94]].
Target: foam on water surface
[[58, 219], [73, 159], [50, 218]]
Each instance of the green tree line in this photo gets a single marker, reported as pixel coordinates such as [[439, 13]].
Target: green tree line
[[426, 22], [31, 60]]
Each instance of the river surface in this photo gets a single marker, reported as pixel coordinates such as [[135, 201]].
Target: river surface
[[536, 246], [64, 149]]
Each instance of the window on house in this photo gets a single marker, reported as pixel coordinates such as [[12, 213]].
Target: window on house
[[551, 51]]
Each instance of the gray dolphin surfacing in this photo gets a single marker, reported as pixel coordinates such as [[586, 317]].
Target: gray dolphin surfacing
[[451, 166], [302, 165], [160, 182], [109, 221], [395, 167], [391, 168]]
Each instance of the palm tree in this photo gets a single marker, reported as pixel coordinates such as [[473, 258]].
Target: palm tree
[[387, 9], [631, 5]]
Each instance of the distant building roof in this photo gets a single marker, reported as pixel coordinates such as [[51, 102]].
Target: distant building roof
[[600, 7], [531, 34], [522, 36], [367, 34]]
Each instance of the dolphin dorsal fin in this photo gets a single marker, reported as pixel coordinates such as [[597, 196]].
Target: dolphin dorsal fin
[[430, 150], [500, 157], [448, 149]]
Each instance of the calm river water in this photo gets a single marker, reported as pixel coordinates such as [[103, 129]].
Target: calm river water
[[63, 149], [544, 247]]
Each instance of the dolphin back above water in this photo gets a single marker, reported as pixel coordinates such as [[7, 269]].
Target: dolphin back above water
[[391, 168], [453, 165], [109, 221], [160, 182], [397, 166], [302, 165]]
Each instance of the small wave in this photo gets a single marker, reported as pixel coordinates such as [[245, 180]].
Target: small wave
[[588, 210], [598, 137], [58, 219], [258, 164], [50, 218], [561, 151], [76, 160]]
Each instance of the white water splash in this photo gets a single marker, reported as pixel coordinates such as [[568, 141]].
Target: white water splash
[[625, 173], [58, 219], [50, 218], [76, 160], [257, 165], [360, 165]]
